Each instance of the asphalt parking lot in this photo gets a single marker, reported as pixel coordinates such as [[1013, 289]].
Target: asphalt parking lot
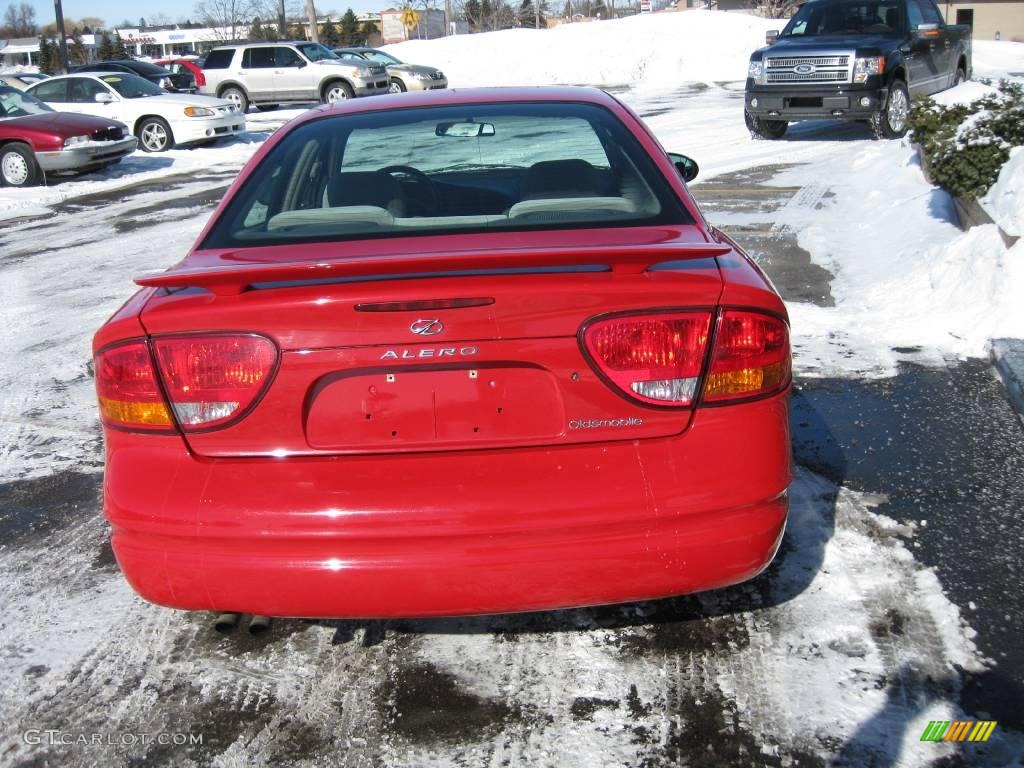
[[836, 655]]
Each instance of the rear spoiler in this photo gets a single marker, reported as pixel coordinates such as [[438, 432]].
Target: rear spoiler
[[236, 279]]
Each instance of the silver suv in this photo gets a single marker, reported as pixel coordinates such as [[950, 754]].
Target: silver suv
[[268, 74]]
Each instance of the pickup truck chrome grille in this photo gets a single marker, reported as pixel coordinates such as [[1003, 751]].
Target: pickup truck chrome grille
[[809, 69]]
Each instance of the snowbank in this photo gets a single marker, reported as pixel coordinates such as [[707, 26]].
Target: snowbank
[[656, 51], [1005, 201], [905, 276], [997, 59]]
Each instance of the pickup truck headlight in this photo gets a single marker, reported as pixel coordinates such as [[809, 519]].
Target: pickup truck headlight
[[198, 112], [864, 68], [755, 69], [75, 141]]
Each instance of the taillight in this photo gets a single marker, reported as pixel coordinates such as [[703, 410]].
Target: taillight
[[209, 380], [128, 390], [751, 357], [656, 358], [200, 79], [212, 379]]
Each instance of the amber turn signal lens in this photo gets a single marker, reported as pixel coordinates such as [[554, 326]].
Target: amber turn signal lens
[[751, 357]]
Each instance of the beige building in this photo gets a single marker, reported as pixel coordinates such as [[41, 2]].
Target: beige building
[[988, 18]]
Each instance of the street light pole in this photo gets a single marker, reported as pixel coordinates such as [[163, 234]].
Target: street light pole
[[61, 35]]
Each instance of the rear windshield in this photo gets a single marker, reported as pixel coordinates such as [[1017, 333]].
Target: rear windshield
[[883, 17], [464, 168]]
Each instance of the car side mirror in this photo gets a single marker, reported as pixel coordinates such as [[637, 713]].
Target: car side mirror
[[686, 166], [771, 36], [928, 30], [103, 98]]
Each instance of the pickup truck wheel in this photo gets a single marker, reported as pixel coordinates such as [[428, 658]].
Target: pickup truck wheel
[[396, 86], [891, 122], [959, 77], [237, 97], [18, 167], [764, 129]]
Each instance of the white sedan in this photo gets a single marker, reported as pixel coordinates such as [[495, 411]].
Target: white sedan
[[160, 119]]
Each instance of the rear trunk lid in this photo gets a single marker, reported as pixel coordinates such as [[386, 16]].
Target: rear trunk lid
[[447, 350]]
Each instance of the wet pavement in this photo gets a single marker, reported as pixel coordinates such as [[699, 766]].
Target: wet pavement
[[831, 657]]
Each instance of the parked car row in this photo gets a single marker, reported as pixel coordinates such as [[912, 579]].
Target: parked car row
[[110, 108], [35, 138], [267, 74]]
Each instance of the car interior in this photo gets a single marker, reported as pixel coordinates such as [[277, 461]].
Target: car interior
[[332, 185]]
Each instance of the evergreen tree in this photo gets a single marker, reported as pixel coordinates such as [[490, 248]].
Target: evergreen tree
[[486, 14], [472, 11], [528, 16], [350, 29], [105, 52], [77, 54], [368, 30], [46, 63], [256, 31], [329, 35], [142, 22], [119, 50]]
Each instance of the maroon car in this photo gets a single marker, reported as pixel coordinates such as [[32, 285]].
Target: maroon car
[[35, 139]]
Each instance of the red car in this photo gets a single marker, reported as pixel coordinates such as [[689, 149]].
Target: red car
[[182, 67], [35, 139], [516, 371]]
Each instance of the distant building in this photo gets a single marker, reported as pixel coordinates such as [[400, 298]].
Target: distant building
[[20, 52], [988, 18], [158, 42]]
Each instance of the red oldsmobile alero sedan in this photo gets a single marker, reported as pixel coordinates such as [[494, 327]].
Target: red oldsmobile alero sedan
[[449, 353], [35, 139]]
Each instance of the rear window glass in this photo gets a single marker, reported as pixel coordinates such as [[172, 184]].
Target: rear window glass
[[220, 59], [463, 168]]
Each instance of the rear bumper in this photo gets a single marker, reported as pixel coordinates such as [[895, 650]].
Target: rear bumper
[[799, 103], [441, 534]]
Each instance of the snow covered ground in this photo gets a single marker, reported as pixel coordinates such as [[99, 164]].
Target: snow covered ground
[[844, 650]]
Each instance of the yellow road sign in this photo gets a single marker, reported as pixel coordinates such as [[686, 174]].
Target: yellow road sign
[[410, 18]]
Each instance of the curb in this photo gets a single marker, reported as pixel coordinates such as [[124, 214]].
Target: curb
[[1008, 359], [969, 212]]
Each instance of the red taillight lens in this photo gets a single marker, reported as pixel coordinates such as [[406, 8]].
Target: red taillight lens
[[128, 391], [751, 357], [213, 379], [655, 358], [200, 79]]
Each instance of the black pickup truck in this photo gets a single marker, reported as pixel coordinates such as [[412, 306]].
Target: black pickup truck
[[854, 60]]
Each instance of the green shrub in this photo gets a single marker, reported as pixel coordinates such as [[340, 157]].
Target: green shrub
[[965, 145]]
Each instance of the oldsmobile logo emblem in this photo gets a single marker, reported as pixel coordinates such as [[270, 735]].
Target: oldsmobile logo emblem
[[805, 69], [427, 327]]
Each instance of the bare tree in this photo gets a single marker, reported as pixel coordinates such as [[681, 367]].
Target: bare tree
[[19, 21], [775, 9], [228, 16]]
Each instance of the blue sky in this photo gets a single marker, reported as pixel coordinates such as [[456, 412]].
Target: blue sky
[[116, 11]]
